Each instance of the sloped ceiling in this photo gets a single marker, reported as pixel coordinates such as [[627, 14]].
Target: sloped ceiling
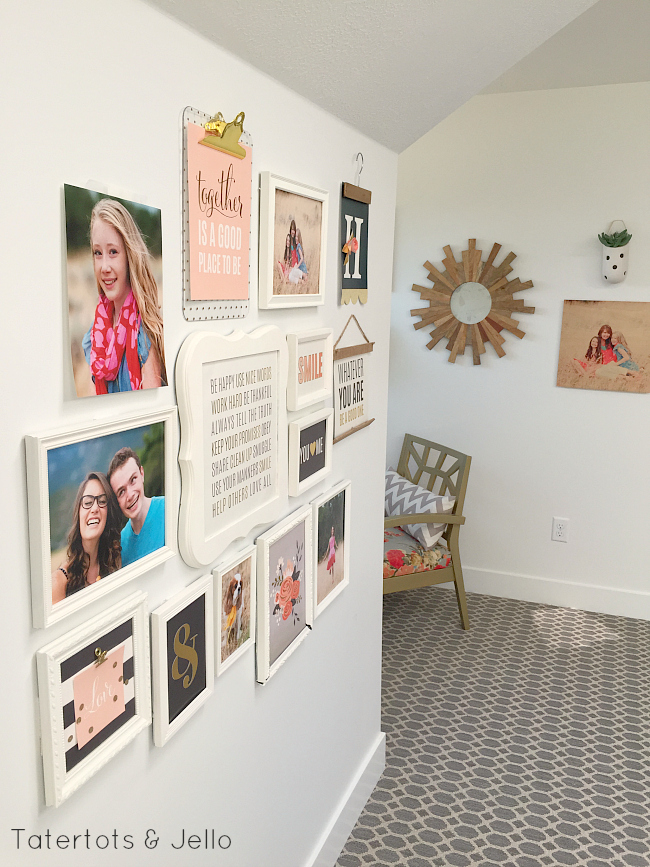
[[608, 44], [391, 68]]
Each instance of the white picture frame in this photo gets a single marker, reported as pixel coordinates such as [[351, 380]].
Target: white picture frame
[[285, 206], [273, 645], [69, 455], [195, 671], [310, 441], [225, 633], [322, 596], [215, 442], [309, 380], [123, 626]]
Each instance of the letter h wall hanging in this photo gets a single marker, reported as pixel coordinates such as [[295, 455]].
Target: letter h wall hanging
[[355, 205]]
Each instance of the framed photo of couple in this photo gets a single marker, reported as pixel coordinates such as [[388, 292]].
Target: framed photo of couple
[[293, 243], [102, 509]]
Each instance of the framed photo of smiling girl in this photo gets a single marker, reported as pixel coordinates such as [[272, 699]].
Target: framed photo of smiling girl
[[102, 509], [114, 284]]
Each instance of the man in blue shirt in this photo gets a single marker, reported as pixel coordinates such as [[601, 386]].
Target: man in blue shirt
[[145, 529]]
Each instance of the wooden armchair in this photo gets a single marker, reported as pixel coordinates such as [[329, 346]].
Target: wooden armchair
[[442, 471]]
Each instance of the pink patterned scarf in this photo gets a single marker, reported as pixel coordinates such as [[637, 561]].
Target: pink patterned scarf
[[108, 344]]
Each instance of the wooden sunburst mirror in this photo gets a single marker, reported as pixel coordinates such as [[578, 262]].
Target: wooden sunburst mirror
[[471, 302]]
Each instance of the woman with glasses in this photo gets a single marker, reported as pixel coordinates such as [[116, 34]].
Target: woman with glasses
[[93, 541]]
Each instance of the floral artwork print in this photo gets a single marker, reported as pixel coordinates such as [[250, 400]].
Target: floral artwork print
[[287, 605], [288, 579]]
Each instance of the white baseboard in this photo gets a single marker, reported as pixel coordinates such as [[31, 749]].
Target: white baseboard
[[551, 591], [348, 810]]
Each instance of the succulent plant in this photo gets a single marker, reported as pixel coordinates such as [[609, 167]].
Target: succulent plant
[[616, 239]]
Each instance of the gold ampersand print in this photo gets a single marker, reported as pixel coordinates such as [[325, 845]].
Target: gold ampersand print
[[183, 650]]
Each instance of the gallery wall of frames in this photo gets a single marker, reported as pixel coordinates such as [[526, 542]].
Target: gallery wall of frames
[[194, 539], [103, 499]]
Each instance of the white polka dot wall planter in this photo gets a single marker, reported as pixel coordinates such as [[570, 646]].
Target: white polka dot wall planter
[[616, 250]]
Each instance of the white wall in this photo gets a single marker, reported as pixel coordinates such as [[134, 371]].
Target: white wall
[[541, 173], [96, 90]]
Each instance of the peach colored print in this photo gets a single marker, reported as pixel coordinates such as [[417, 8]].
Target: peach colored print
[[218, 241], [98, 696]]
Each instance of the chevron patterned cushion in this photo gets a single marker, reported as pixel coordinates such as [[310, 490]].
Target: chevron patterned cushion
[[404, 498]]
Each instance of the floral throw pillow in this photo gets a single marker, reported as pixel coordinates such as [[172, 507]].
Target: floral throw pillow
[[404, 556], [404, 498]]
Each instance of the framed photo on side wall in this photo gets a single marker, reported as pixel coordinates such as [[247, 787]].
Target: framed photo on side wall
[[331, 545], [94, 695], [102, 509], [234, 607], [605, 346], [182, 642], [284, 590], [293, 243], [310, 450]]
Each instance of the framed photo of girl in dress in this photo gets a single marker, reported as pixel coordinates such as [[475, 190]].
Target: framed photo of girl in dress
[[102, 509], [293, 243], [114, 283], [331, 545]]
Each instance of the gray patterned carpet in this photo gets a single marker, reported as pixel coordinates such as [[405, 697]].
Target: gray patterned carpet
[[525, 741]]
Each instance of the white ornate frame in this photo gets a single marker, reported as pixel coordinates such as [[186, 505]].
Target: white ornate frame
[[44, 613], [266, 669], [60, 784], [163, 729], [296, 487], [316, 504], [296, 401], [201, 348], [218, 573], [269, 183]]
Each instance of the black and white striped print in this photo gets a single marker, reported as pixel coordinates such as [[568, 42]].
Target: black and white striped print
[[122, 635]]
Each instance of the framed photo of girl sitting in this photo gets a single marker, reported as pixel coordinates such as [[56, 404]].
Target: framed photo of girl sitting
[[293, 243], [605, 346]]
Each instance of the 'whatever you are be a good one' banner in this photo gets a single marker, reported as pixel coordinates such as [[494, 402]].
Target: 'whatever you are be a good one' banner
[[219, 198], [351, 384]]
